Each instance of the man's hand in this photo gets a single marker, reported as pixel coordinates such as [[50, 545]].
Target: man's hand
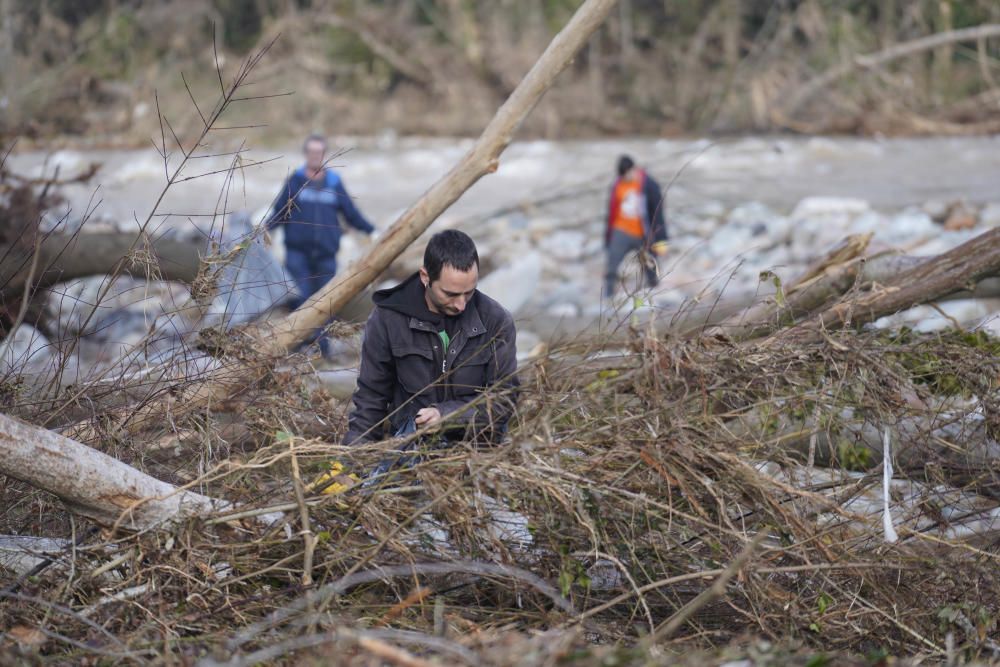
[[660, 248], [427, 417], [266, 238]]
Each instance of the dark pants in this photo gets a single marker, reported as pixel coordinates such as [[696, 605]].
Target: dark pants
[[310, 270], [619, 247]]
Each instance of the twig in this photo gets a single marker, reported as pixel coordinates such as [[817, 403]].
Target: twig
[[308, 538], [395, 571], [716, 590]]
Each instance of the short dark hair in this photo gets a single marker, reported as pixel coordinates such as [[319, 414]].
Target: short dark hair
[[314, 137], [625, 163], [450, 247]]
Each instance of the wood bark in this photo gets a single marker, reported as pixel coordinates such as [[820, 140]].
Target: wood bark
[[63, 257], [277, 338], [958, 269], [92, 483]]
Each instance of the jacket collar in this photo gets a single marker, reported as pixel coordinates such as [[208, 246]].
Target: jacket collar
[[469, 320]]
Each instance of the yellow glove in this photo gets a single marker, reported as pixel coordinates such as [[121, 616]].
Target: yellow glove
[[334, 481], [659, 248]]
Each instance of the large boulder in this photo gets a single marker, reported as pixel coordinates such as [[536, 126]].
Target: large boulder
[[515, 284], [25, 351], [112, 311]]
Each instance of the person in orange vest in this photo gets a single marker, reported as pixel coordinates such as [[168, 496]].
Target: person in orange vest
[[635, 223]]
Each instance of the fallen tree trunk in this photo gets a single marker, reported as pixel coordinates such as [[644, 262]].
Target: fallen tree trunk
[[63, 257], [277, 338], [92, 483], [843, 269], [958, 269]]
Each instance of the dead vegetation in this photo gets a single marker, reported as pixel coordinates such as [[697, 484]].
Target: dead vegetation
[[441, 67], [803, 492], [626, 488]]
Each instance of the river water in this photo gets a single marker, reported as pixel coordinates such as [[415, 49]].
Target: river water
[[734, 205], [385, 176]]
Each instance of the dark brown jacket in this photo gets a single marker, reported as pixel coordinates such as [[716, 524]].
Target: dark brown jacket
[[403, 368]]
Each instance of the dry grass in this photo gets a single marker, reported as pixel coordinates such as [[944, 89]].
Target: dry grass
[[638, 486]]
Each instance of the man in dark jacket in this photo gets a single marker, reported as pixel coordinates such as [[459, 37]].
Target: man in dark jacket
[[635, 223], [432, 347], [310, 205]]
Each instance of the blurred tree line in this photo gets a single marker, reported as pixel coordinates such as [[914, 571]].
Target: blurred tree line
[[442, 66]]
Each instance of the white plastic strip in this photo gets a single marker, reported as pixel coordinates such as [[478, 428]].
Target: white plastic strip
[[890, 532]]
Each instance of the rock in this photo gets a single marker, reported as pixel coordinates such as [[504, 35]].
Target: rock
[[564, 245], [515, 284], [990, 324], [729, 241], [989, 217], [869, 221], [527, 341], [821, 207], [340, 382], [943, 242], [564, 310], [27, 350], [144, 166], [691, 224], [961, 217], [506, 526], [937, 209], [966, 312], [541, 227], [750, 213], [907, 227], [711, 209], [123, 314]]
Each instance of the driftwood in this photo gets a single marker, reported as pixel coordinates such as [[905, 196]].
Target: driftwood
[[63, 257], [92, 483], [958, 269], [847, 268], [277, 338]]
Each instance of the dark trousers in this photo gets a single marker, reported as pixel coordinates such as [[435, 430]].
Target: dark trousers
[[310, 270], [619, 247]]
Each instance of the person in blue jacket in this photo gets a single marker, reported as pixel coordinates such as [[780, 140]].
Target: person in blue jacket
[[310, 206]]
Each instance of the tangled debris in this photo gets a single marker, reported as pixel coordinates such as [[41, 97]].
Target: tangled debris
[[598, 533]]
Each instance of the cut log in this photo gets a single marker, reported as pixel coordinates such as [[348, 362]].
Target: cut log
[[92, 483]]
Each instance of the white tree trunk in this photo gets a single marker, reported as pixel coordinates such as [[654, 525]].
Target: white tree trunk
[[92, 483]]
